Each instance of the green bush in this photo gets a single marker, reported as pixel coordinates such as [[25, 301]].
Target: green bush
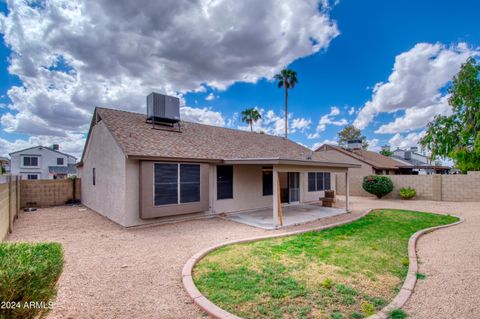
[[377, 185], [28, 276], [407, 192], [397, 314]]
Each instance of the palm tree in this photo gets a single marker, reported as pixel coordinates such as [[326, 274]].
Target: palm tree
[[287, 79], [250, 115]]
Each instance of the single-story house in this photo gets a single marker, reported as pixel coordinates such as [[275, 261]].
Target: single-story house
[[136, 172], [371, 163], [418, 163]]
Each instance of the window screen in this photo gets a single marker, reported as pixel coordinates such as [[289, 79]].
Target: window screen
[[32, 176], [59, 160], [224, 182], [189, 183], [318, 181], [30, 161], [312, 182], [166, 184], [267, 180]]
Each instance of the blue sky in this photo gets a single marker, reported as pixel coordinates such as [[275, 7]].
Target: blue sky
[[341, 75]]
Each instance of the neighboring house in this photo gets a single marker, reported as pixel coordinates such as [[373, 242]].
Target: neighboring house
[[135, 172], [42, 162], [370, 162], [419, 163]]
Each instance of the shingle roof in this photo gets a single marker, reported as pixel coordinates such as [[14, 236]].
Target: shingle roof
[[378, 161], [196, 141]]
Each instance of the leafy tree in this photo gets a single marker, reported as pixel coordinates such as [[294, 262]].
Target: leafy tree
[[458, 136], [250, 116], [386, 151], [287, 79], [350, 132]]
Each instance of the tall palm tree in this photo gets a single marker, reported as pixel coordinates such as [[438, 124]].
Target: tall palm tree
[[287, 79], [250, 116]]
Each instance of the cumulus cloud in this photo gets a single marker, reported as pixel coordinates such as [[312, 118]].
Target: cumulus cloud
[[328, 119], [301, 124], [415, 85], [74, 55], [373, 145], [327, 141], [71, 144], [202, 115], [405, 140], [210, 97]]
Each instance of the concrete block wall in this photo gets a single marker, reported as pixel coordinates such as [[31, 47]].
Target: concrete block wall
[[461, 188], [9, 205], [45, 193]]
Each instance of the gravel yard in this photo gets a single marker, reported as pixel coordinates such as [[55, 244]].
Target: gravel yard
[[111, 272]]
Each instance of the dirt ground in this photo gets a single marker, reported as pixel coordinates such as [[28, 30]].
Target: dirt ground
[[112, 272]]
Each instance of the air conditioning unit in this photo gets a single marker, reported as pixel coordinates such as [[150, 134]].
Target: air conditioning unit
[[163, 108]]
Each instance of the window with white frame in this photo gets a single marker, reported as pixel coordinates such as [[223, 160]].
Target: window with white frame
[[30, 161], [32, 176], [318, 181], [60, 160], [176, 183]]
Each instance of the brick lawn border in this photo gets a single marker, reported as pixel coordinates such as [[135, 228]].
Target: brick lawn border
[[398, 302]]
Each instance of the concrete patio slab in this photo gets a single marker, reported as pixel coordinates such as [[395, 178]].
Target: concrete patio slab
[[292, 215]]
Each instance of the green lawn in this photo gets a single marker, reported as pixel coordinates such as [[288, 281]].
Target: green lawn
[[350, 271]]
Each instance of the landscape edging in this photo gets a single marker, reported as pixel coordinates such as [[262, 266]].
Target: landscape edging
[[400, 299]]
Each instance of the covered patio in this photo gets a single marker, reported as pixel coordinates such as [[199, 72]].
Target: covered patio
[[292, 215], [296, 186]]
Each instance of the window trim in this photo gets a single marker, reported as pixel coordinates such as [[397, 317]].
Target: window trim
[[178, 184], [216, 183]]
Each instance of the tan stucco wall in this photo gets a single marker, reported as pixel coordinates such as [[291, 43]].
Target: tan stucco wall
[[107, 197], [247, 190]]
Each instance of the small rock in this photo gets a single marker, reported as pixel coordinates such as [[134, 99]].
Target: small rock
[[124, 266]]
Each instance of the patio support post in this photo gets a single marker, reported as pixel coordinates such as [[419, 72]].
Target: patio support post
[[275, 197], [347, 191]]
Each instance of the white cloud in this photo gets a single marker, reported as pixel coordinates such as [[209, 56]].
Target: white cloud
[[373, 145], [274, 123], [211, 97], [71, 144], [328, 119], [416, 117], [327, 141], [202, 115], [405, 141], [415, 86], [74, 55], [351, 111], [301, 124]]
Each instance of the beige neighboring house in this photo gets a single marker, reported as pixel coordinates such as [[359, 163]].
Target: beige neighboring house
[[134, 172], [371, 163]]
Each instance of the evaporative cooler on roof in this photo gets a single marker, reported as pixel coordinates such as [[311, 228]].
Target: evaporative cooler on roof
[[163, 108]]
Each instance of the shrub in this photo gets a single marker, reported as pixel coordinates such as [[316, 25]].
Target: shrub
[[397, 314], [327, 283], [28, 274], [368, 308], [407, 192], [377, 185]]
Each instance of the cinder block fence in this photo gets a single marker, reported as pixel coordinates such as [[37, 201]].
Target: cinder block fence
[[9, 204], [46, 193], [456, 188]]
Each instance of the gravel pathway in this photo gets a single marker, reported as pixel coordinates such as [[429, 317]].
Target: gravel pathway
[[111, 272]]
